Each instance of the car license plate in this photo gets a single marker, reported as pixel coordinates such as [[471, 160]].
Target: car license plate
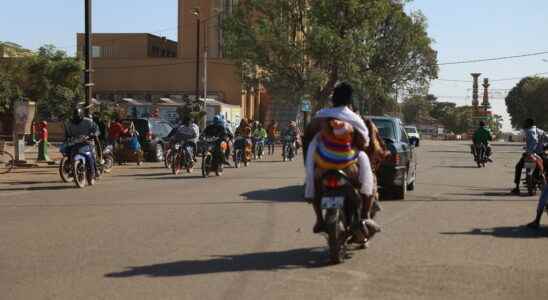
[[332, 202]]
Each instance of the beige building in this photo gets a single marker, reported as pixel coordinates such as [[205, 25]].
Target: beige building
[[146, 67]]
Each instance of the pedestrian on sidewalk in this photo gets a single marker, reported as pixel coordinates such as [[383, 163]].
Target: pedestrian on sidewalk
[[43, 144]]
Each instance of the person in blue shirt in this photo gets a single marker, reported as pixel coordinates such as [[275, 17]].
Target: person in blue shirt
[[534, 138], [542, 202]]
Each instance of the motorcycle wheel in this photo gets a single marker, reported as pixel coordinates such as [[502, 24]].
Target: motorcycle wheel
[[175, 165], [168, 159], [80, 172], [335, 238], [108, 165], [65, 170], [237, 157], [206, 165], [531, 189], [219, 171]]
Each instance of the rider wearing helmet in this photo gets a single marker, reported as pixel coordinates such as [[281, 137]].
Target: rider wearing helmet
[[218, 130], [80, 126]]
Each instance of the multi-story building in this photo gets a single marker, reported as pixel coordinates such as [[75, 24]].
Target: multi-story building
[[146, 67]]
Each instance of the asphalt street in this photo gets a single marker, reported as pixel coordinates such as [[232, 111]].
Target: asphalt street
[[143, 233]]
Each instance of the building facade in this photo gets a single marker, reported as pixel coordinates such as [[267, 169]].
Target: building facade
[[146, 67]]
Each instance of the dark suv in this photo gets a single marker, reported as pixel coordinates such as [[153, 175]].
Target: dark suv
[[398, 173], [151, 134]]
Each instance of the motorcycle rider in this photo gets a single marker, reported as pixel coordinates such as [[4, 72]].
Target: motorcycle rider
[[259, 135], [273, 135], [218, 130], [80, 126], [187, 132], [534, 138], [341, 99], [482, 137]]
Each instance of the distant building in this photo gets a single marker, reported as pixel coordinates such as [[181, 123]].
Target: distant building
[[12, 50], [146, 68]]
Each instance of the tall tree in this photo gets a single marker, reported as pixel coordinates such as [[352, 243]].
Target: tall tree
[[298, 47], [528, 99]]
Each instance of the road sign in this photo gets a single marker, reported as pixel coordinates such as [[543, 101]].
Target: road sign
[[306, 105]]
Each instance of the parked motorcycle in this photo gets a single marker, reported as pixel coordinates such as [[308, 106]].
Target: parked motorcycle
[[107, 162], [182, 157], [288, 149], [213, 156], [341, 209], [76, 163], [535, 174]]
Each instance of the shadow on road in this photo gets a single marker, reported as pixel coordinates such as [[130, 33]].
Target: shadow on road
[[40, 188], [260, 261], [293, 193], [447, 151], [146, 174], [521, 232], [460, 167], [175, 177]]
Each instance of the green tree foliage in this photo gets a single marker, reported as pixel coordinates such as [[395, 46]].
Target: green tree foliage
[[529, 99], [48, 77], [299, 47]]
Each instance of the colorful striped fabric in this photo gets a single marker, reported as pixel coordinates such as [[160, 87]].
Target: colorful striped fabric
[[335, 153]]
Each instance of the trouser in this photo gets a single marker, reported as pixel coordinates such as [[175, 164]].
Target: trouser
[[543, 200]]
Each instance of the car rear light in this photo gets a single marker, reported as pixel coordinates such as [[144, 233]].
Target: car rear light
[[395, 159]]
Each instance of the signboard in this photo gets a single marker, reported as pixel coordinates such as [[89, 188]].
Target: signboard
[[306, 105], [23, 115]]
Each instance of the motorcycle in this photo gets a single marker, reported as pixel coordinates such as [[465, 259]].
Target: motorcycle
[[288, 150], [535, 174], [481, 154], [168, 158], [182, 157], [241, 152], [107, 162], [76, 163], [341, 208], [258, 148], [213, 156]]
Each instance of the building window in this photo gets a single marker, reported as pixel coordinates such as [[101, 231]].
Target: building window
[[96, 51]]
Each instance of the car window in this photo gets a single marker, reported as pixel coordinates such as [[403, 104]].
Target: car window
[[403, 136], [411, 129], [386, 128]]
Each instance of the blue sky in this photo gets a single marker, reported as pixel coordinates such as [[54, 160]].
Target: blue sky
[[462, 29]]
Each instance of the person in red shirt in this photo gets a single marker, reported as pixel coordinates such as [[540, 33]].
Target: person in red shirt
[[43, 141], [116, 130]]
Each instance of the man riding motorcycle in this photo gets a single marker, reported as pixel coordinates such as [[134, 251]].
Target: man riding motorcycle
[[187, 132], [218, 130], [259, 136], [341, 119], [80, 126], [535, 139], [243, 138], [481, 139]]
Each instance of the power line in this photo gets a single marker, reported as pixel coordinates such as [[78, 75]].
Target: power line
[[470, 61]]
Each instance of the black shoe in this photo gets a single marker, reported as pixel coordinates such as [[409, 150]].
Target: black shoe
[[515, 191], [533, 225]]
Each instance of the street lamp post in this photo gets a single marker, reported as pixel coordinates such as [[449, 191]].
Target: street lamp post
[[88, 85]]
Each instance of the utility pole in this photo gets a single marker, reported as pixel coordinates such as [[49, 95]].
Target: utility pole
[[88, 85], [198, 57]]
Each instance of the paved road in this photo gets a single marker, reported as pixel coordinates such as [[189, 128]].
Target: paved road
[[145, 234]]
